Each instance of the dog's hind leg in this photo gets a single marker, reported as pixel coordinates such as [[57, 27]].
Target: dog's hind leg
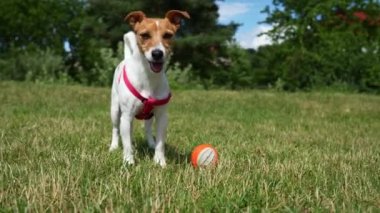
[[148, 133], [115, 117]]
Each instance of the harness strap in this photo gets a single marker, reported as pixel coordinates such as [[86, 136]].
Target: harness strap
[[148, 103]]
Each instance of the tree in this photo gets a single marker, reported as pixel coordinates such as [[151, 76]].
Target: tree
[[44, 23], [201, 41], [328, 42], [33, 29], [91, 28]]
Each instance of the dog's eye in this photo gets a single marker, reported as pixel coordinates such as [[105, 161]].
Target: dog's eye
[[167, 36], [145, 36]]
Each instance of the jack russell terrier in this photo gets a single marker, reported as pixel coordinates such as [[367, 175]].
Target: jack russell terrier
[[140, 88]]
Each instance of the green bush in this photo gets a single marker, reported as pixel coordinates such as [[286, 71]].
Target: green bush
[[105, 67], [182, 78], [234, 70], [337, 58], [351, 58], [33, 64], [226, 66], [94, 66], [370, 80]]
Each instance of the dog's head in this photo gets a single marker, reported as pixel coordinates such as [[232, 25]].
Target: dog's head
[[154, 35]]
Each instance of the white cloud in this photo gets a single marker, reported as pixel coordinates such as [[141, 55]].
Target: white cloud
[[229, 10], [253, 40]]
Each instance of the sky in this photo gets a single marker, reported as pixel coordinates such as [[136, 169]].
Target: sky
[[247, 13]]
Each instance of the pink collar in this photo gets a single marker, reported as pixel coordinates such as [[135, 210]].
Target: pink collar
[[148, 103]]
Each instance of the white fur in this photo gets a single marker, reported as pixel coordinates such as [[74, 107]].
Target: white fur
[[124, 105], [159, 46]]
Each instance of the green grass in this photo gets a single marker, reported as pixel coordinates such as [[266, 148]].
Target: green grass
[[278, 151]]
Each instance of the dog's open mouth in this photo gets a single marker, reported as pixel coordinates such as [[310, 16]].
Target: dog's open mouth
[[156, 66]]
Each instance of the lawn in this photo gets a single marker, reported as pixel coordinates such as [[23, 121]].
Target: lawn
[[317, 151]]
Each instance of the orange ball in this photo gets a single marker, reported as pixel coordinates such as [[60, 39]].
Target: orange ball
[[204, 155]]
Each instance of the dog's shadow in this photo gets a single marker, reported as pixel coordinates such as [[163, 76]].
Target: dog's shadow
[[172, 154]]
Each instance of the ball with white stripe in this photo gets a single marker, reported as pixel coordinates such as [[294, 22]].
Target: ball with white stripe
[[204, 155]]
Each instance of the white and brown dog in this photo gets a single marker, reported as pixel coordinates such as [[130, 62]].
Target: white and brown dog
[[140, 88]]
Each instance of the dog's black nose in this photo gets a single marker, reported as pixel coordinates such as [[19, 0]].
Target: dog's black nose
[[157, 54]]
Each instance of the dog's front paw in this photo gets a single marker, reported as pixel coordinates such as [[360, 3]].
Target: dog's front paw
[[115, 142], [159, 159], [113, 147], [129, 160]]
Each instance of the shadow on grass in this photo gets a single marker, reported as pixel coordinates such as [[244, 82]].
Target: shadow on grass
[[173, 155]]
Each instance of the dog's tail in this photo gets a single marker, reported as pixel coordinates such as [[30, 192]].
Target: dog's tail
[[130, 45]]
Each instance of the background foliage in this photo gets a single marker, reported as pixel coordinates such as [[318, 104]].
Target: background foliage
[[324, 44], [317, 44]]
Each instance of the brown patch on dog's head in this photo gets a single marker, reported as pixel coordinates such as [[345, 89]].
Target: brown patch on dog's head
[[155, 34]]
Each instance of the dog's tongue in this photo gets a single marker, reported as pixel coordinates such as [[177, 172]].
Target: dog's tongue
[[156, 66]]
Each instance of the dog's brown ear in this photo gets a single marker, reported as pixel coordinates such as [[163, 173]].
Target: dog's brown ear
[[175, 16], [134, 17]]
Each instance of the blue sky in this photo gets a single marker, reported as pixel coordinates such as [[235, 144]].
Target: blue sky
[[247, 13]]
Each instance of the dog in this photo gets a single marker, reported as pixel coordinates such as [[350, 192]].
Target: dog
[[140, 88]]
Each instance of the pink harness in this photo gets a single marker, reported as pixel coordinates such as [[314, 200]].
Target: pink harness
[[148, 103]]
